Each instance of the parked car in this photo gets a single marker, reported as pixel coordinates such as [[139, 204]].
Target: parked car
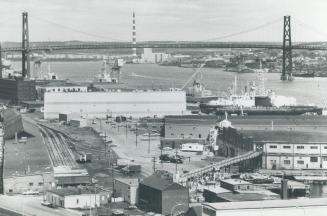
[[165, 158]]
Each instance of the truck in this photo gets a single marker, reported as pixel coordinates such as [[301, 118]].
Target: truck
[[84, 158]]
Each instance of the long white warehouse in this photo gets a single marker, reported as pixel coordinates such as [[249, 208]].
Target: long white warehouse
[[99, 104]]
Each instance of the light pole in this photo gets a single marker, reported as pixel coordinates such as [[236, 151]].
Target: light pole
[[173, 208]]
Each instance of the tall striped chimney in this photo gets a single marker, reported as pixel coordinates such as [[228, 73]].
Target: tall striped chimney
[[134, 35]]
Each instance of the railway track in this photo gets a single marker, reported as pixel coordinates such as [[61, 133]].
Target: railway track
[[57, 147]]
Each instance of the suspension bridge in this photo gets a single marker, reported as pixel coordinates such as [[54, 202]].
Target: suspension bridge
[[286, 45]]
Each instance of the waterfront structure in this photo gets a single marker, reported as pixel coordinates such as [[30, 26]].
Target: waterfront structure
[[298, 207], [58, 87], [160, 194], [180, 129], [292, 150], [100, 104], [17, 90], [127, 189], [82, 198], [236, 184], [150, 57]]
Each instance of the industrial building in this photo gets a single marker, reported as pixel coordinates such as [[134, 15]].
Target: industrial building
[[76, 198], [58, 86], [296, 207], [100, 104], [291, 149], [127, 189], [66, 176], [17, 90], [150, 57], [160, 194], [180, 129], [30, 182]]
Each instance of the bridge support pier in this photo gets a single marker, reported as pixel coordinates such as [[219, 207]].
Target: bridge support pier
[[287, 50]]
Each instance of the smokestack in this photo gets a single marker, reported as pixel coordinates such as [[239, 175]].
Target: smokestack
[[134, 35]]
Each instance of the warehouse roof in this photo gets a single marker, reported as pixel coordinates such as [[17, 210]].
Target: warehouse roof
[[235, 182], [267, 204], [73, 191], [286, 136], [160, 183], [192, 119], [253, 196]]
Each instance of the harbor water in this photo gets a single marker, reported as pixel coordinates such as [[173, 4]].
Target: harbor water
[[305, 90]]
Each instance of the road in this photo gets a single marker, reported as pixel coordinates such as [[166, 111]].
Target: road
[[127, 148], [31, 205]]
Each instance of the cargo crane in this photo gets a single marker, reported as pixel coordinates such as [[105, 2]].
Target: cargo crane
[[194, 74]]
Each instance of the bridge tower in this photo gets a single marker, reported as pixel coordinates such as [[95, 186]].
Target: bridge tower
[[287, 50], [134, 35], [25, 48], [0, 63]]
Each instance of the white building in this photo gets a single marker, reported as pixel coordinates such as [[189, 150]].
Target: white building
[[127, 189], [192, 147], [58, 87], [81, 198], [100, 104], [292, 207], [291, 149], [281, 155], [149, 57]]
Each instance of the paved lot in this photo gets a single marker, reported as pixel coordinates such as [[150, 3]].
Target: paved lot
[[31, 205], [127, 148]]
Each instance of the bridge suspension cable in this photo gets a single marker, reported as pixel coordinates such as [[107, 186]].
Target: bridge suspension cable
[[246, 30], [312, 28], [73, 29]]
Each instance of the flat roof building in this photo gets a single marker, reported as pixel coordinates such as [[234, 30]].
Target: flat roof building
[[100, 104], [293, 207]]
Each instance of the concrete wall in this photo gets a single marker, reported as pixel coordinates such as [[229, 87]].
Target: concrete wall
[[20, 184], [99, 104]]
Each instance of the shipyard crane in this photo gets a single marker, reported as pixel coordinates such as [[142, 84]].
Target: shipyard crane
[[194, 74]]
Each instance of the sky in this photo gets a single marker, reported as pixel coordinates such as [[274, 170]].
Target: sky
[[173, 20]]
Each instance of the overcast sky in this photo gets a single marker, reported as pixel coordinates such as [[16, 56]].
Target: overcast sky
[[108, 20]]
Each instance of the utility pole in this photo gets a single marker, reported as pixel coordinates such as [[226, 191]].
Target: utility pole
[[148, 140], [175, 159], [105, 145], [136, 134], [154, 164], [126, 131]]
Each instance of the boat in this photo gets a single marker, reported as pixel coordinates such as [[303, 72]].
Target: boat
[[257, 101], [198, 94], [104, 76]]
